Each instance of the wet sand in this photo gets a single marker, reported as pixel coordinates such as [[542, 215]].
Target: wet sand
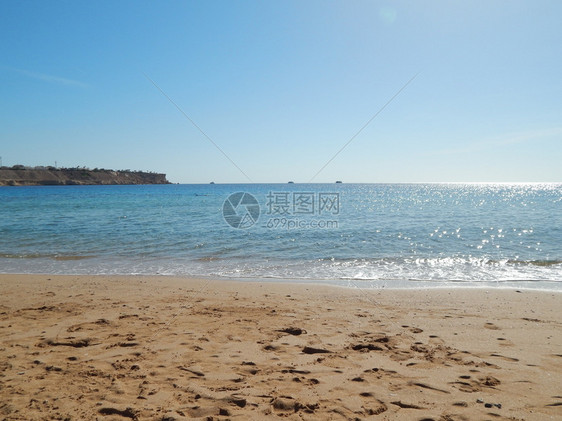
[[161, 348]]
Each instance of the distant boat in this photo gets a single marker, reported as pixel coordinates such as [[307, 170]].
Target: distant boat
[[291, 182], [212, 182], [338, 182]]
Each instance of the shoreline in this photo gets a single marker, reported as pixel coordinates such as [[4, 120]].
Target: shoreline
[[150, 347], [361, 284]]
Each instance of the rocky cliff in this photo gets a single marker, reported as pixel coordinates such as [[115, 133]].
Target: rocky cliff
[[25, 176]]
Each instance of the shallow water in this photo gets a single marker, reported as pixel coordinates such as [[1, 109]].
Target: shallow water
[[376, 235]]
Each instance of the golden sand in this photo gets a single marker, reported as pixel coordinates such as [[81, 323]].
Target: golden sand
[[161, 348]]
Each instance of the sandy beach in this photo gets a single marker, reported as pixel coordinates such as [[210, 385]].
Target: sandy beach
[[161, 348]]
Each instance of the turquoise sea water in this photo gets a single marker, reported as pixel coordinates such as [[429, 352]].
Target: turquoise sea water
[[367, 235]]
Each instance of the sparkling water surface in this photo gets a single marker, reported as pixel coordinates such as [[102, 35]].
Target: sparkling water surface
[[380, 235]]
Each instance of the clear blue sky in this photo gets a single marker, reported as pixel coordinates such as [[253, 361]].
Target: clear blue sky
[[281, 86]]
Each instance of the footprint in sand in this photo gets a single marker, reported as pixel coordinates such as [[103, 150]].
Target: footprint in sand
[[504, 357], [504, 342], [469, 385], [373, 406]]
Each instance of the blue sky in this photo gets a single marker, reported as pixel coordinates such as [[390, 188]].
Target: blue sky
[[281, 86]]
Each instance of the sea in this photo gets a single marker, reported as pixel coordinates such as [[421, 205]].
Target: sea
[[421, 235]]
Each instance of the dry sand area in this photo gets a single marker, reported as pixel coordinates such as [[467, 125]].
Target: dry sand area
[[160, 348]]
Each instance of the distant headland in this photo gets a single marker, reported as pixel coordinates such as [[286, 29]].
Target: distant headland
[[19, 175]]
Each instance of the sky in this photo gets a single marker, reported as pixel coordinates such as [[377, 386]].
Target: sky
[[240, 91]]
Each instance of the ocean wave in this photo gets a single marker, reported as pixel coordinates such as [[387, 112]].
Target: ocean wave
[[45, 255]]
